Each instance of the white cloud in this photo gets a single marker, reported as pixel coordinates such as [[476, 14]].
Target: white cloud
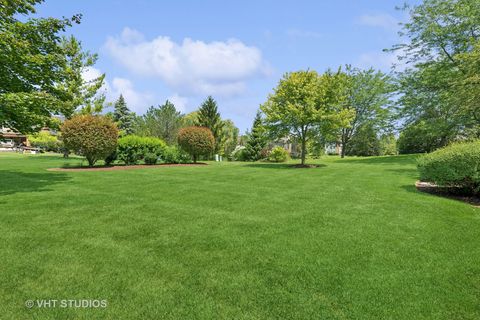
[[179, 102], [297, 33], [381, 20], [137, 101], [189, 67]]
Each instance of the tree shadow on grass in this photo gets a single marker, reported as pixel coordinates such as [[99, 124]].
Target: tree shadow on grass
[[12, 182], [281, 166]]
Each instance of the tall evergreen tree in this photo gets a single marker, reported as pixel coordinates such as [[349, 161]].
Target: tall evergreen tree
[[257, 140], [208, 116], [123, 116], [163, 122]]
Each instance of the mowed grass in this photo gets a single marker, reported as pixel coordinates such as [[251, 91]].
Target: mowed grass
[[352, 239]]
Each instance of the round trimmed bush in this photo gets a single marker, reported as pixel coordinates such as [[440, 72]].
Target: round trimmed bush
[[454, 166], [278, 154], [197, 141], [94, 137], [132, 149], [173, 155]]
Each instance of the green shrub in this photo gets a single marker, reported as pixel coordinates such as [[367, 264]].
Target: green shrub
[[278, 154], [240, 153], [197, 141], [173, 154], [45, 141], [457, 166], [94, 137], [132, 149], [150, 158]]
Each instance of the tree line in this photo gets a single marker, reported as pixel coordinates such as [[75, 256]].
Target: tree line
[[428, 104]]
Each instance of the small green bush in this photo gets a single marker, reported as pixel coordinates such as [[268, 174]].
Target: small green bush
[[278, 154], [239, 154], [197, 141], [174, 155], [150, 158], [457, 166], [132, 149], [45, 141]]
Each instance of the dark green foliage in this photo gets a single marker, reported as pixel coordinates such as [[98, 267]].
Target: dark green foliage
[[238, 154], [209, 117], [454, 166], [278, 154], [364, 142], [257, 140], [94, 137], [229, 137], [197, 141], [173, 154], [123, 116], [162, 122], [110, 159], [150, 158], [132, 149], [418, 137]]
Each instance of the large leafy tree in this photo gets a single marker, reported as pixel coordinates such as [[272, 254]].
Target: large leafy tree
[[123, 116], [81, 94], [163, 122], [368, 98], [230, 137], [303, 104], [439, 90], [256, 140], [209, 117], [32, 64]]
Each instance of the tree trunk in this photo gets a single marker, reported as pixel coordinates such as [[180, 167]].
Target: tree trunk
[[91, 161], [304, 150], [194, 158], [344, 142]]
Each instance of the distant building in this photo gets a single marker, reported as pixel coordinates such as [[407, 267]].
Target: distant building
[[10, 138]]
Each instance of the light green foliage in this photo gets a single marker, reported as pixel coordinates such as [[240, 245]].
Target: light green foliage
[[368, 98], [440, 90], [32, 64], [230, 137], [45, 141], [388, 145], [278, 154], [457, 166], [209, 117], [132, 149], [80, 94], [163, 122], [305, 103], [173, 154], [238, 154]]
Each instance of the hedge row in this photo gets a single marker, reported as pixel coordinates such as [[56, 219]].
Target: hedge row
[[457, 166]]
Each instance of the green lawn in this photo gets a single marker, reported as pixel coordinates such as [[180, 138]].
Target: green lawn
[[352, 239]]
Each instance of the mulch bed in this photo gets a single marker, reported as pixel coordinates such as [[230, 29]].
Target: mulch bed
[[431, 188], [305, 166], [138, 166]]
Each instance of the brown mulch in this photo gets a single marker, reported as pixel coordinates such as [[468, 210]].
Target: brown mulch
[[431, 188], [138, 166], [306, 166]]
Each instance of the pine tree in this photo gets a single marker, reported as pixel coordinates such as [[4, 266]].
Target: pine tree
[[208, 116], [123, 116], [256, 140]]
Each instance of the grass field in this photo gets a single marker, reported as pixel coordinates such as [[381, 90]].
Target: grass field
[[352, 239]]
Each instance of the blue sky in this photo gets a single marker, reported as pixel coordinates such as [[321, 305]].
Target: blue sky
[[234, 50]]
